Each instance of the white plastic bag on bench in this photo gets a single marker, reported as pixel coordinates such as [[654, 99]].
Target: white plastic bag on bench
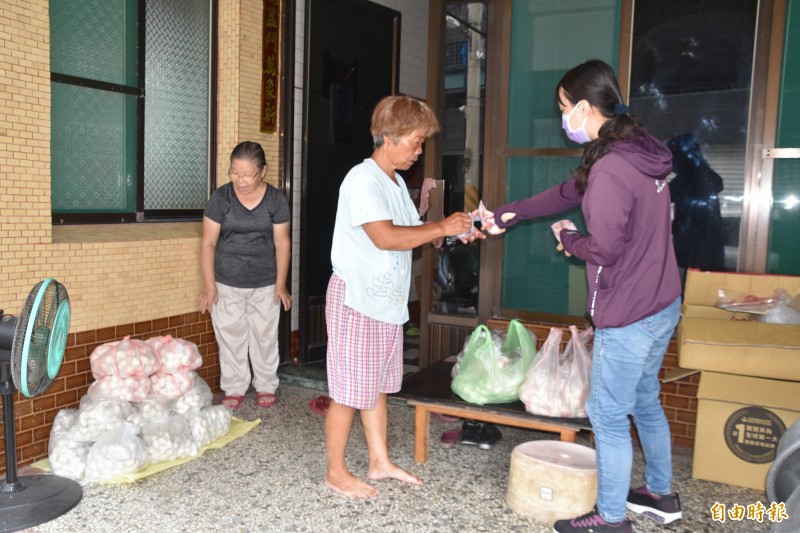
[[557, 384]]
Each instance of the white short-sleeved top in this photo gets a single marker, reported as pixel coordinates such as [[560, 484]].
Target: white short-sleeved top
[[377, 281]]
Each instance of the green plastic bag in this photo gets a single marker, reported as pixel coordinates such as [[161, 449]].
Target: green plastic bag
[[486, 376]]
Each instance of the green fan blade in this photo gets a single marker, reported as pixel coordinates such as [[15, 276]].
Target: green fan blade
[[58, 339]]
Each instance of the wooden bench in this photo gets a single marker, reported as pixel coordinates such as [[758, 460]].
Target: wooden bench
[[429, 392]]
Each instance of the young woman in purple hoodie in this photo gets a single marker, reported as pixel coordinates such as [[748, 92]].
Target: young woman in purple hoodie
[[634, 289]]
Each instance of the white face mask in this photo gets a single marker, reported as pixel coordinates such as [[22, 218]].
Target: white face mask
[[579, 135]]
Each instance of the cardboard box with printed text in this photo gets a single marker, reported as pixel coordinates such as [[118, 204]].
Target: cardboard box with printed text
[[740, 421]]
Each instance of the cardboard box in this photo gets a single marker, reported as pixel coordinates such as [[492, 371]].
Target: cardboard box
[[740, 421], [710, 338]]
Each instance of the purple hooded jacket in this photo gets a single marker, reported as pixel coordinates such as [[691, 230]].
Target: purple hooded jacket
[[630, 259]]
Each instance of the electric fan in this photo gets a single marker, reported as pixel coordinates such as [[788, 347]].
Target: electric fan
[[31, 350]]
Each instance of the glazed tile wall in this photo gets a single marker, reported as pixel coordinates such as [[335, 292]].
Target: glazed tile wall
[[118, 276]]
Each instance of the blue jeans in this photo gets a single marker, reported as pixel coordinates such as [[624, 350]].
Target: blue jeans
[[624, 381]]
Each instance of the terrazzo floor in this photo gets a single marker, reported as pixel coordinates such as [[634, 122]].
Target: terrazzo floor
[[272, 480]]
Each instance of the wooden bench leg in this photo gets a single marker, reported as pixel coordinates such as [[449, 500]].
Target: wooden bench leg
[[568, 435], [422, 434]]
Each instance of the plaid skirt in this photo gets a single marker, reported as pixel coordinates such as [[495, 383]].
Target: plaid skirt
[[365, 356]]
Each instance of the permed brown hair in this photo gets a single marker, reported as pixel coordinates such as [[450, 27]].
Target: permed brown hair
[[397, 116]]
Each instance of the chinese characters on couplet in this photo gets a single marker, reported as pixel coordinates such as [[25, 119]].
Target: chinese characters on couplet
[[776, 512], [270, 70]]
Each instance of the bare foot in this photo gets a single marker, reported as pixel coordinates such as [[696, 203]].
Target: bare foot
[[392, 471], [350, 486]]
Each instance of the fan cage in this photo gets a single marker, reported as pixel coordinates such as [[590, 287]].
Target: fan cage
[[36, 355]]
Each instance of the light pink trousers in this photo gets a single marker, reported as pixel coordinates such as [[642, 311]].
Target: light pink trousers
[[246, 321]]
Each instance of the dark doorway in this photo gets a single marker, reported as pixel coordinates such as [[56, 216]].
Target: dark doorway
[[352, 58]]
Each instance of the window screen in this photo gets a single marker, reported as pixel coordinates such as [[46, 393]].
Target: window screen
[[131, 101]]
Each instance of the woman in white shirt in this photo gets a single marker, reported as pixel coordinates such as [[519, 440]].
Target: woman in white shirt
[[376, 228]]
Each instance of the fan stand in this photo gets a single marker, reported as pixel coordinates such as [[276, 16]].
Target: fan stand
[[30, 500]]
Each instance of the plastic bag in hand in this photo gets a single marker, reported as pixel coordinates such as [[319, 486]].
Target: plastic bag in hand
[[557, 384], [491, 372], [487, 221]]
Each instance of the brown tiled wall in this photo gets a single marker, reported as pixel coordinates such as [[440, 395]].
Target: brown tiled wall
[[239, 86], [143, 270], [679, 399], [295, 345], [34, 416], [111, 273]]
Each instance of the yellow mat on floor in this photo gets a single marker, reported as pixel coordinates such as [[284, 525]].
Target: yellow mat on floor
[[239, 428]]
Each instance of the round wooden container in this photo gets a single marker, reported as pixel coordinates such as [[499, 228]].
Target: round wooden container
[[551, 480]]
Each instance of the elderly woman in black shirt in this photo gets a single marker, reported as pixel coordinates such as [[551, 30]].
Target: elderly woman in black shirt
[[244, 255]]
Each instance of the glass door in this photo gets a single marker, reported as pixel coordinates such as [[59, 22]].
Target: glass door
[[783, 253], [461, 97], [696, 75], [771, 210]]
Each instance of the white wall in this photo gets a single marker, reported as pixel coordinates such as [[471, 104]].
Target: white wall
[[413, 81], [413, 44]]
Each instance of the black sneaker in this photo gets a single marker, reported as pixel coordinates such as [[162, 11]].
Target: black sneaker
[[489, 436], [662, 509], [470, 433], [592, 522]]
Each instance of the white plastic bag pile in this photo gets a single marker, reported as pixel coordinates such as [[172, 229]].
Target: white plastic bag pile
[[146, 406]]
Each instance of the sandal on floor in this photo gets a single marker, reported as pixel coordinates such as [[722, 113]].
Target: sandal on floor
[[320, 405], [266, 399], [449, 437], [232, 402]]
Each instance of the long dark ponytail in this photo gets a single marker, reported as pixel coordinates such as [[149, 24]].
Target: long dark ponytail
[[595, 82]]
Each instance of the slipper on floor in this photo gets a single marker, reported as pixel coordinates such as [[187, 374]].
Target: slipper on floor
[[232, 402], [445, 418], [449, 437], [266, 399], [320, 404]]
